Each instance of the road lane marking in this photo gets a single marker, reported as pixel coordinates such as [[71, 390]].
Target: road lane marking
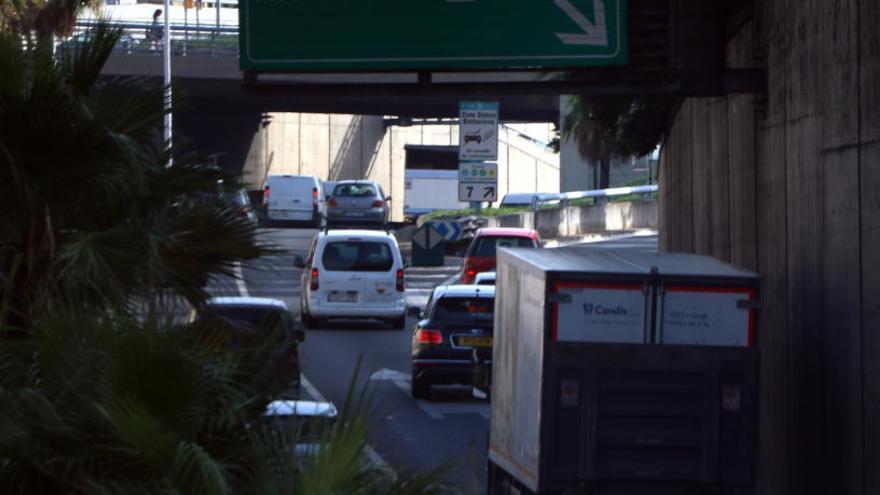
[[372, 456], [239, 280], [434, 410], [310, 389]]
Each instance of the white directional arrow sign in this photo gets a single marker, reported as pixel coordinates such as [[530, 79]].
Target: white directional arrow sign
[[594, 34]]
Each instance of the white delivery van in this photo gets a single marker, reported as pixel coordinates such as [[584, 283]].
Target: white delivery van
[[294, 198], [353, 274]]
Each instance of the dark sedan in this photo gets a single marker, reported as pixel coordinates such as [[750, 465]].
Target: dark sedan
[[259, 321], [453, 342]]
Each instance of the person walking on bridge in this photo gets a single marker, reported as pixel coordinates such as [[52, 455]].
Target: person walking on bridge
[[156, 32]]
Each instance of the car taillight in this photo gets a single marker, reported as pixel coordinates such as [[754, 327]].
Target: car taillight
[[313, 282], [266, 192], [378, 203], [429, 337], [401, 286], [468, 274], [332, 203], [315, 198]]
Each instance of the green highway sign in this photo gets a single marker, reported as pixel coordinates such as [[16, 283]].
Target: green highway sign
[[362, 35]]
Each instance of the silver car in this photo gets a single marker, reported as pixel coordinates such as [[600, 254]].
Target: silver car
[[357, 202]]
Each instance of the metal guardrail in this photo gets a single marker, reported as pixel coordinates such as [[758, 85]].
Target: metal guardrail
[[563, 199], [186, 39]]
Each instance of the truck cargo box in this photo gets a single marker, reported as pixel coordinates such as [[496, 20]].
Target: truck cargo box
[[622, 372]]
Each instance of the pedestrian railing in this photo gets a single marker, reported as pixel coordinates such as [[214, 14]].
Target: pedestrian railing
[[186, 39]]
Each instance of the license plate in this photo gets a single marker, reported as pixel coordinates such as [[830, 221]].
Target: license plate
[[346, 297], [475, 341]]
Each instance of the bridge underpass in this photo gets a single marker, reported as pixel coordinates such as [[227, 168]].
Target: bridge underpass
[[220, 113], [775, 181]]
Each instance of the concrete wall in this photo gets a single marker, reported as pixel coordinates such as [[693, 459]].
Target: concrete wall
[[787, 183], [579, 220], [334, 147]]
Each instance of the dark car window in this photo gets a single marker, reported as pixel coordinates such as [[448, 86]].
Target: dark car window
[[488, 245], [355, 191], [247, 317], [451, 308], [357, 256]]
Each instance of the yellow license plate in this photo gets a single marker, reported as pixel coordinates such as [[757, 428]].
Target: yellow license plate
[[475, 341]]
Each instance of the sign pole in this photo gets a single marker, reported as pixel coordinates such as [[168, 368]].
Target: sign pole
[[166, 56]]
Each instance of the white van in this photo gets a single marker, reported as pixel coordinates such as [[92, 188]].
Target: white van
[[294, 198], [353, 274]]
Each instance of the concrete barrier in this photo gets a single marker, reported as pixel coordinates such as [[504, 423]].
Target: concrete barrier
[[579, 220]]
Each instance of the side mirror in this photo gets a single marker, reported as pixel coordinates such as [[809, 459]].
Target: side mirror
[[299, 335], [414, 311], [327, 198], [299, 262], [388, 198], [405, 263]]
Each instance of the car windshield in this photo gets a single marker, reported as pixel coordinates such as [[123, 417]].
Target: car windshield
[[357, 256], [355, 190], [488, 245], [451, 308]]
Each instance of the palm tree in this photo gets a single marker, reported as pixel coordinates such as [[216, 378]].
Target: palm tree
[[42, 18], [612, 126], [95, 398], [90, 404], [90, 207]]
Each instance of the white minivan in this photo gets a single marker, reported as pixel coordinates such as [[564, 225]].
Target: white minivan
[[353, 274], [294, 198]]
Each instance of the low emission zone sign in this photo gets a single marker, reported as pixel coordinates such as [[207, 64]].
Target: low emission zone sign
[[346, 35]]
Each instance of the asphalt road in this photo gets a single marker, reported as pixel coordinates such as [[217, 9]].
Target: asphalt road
[[407, 434]]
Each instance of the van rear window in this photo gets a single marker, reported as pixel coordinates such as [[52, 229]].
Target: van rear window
[[357, 256]]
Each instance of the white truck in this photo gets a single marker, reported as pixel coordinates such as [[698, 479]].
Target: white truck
[[429, 190], [622, 372]]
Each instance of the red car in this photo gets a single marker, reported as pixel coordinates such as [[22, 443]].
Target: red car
[[480, 255]]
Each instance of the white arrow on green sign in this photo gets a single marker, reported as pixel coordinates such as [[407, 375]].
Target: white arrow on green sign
[[309, 35]]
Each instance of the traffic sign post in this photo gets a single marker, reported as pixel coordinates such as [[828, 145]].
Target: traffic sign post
[[478, 131], [477, 191], [322, 35], [477, 181], [428, 247]]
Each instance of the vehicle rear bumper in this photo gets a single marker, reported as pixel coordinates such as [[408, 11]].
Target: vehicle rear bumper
[[293, 215], [369, 217], [358, 310], [448, 371]]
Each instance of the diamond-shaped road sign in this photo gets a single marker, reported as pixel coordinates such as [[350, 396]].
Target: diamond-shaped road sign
[[427, 237], [428, 248]]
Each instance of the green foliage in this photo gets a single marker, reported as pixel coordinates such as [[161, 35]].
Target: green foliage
[[99, 393], [609, 126], [91, 210], [41, 18], [90, 404]]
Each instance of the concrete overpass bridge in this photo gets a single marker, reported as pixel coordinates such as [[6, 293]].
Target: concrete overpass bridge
[[223, 112]]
